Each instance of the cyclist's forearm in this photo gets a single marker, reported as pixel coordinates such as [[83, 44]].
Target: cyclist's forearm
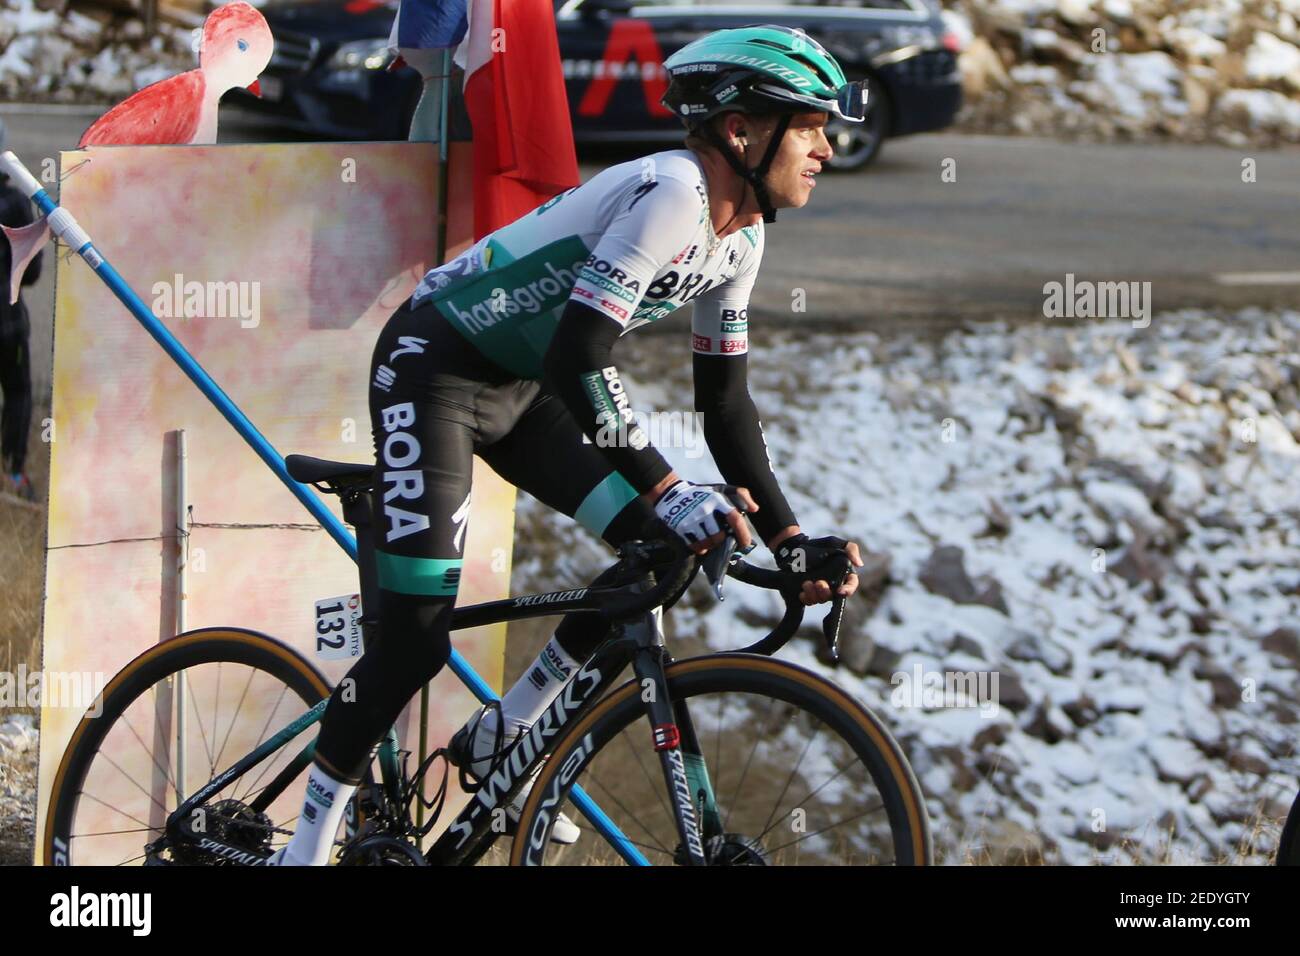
[[735, 437], [579, 366], [739, 450]]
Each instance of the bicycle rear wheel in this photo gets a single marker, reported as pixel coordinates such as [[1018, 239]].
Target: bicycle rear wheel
[[118, 780], [800, 774]]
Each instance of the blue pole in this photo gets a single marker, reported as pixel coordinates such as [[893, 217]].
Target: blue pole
[[67, 229]]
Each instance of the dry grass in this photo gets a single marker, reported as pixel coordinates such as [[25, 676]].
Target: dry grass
[[22, 564], [22, 581]]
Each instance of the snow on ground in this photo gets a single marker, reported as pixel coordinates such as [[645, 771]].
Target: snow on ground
[[1126, 508], [1271, 59], [72, 57], [18, 748], [1262, 108]]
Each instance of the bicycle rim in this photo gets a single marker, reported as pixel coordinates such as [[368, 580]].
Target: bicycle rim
[[118, 779], [800, 774]]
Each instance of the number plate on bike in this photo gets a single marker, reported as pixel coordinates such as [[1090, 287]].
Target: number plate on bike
[[338, 627]]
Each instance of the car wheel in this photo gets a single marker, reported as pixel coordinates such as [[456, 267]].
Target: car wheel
[[857, 145]]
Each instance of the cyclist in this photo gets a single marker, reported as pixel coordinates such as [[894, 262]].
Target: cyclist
[[506, 351]]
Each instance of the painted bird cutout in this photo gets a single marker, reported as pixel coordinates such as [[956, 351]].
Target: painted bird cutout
[[182, 109]]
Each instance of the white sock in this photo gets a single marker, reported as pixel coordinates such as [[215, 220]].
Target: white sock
[[322, 812], [533, 692]]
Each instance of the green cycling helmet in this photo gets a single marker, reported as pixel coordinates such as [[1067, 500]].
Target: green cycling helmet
[[759, 69], [763, 68]]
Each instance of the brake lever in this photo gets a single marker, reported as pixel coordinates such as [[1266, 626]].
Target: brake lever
[[831, 628], [831, 622], [716, 562]]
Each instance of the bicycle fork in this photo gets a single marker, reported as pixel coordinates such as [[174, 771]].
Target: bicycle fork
[[673, 735]]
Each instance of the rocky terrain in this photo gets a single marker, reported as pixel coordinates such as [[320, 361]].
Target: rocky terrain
[[84, 57], [1103, 517], [1199, 70], [18, 749]]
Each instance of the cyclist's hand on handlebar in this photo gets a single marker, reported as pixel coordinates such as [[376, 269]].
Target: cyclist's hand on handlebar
[[703, 516], [799, 553]]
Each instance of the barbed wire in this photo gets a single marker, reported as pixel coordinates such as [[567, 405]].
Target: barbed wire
[[182, 534]]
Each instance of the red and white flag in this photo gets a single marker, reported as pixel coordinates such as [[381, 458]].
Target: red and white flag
[[514, 94]]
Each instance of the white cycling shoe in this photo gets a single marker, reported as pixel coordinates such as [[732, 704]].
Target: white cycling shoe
[[487, 746]]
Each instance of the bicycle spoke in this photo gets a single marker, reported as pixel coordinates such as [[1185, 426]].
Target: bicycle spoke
[[767, 825], [771, 705], [154, 760], [87, 836], [646, 846], [194, 703], [169, 723], [122, 812], [216, 704], [814, 793], [239, 706], [856, 816], [635, 819], [254, 789], [261, 735]]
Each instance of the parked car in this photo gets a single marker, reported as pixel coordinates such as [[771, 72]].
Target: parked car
[[329, 74]]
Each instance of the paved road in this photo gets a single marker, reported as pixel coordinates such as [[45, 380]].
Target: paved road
[[901, 244]]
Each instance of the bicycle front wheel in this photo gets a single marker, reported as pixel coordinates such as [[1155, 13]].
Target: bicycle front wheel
[[787, 769]]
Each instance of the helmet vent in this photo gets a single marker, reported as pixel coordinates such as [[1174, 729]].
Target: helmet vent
[[771, 44], [817, 70]]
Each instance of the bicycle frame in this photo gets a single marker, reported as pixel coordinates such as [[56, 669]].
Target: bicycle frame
[[471, 834], [639, 642]]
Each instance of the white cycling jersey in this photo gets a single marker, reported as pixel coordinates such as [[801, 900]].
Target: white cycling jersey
[[631, 242]]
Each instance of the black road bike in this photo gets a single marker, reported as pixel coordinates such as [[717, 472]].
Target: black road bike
[[723, 759]]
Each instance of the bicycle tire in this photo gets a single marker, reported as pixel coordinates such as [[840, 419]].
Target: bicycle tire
[[751, 675], [1288, 847], [190, 649]]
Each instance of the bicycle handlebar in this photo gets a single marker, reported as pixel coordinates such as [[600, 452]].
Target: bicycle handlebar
[[674, 568], [790, 585]]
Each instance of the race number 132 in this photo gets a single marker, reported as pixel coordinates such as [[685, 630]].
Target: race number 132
[[338, 627]]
